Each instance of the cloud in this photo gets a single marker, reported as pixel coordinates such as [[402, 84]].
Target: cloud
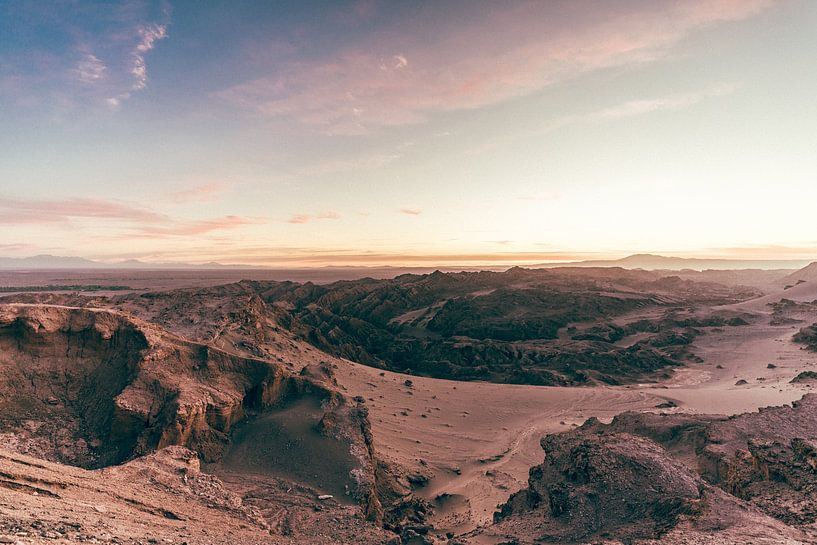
[[77, 54], [411, 211], [337, 257], [671, 102], [16, 247], [90, 69], [306, 218], [145, 38], [624, 110], [399, 62], [199, 193], [193, 228], [507, 53], [28, 211], [137, 222], [148, 35], [300, 218], [335, 166]]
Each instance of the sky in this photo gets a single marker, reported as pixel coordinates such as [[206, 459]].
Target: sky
[[378, 132]]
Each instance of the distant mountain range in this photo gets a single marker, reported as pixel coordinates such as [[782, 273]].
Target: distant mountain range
[[46, 261], [637, 261], [661, 262]]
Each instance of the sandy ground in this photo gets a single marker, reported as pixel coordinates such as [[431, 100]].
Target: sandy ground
[[480, 439]]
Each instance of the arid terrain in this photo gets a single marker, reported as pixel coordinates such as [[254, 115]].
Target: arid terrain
[[371, 272], [561, 405]]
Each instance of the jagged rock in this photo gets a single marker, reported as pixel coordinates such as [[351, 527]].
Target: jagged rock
[[804, 377], [666, 405], [621, 485], [126, 388], [808, 337], [672, 479]]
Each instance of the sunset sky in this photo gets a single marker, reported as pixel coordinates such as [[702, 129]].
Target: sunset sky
[[374, 132]]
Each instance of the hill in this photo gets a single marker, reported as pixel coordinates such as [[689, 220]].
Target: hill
[[806, 274]]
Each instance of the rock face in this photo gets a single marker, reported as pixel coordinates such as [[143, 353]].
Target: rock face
[[673, 478], [804, 378], [523, 326], [620, 484], [93, 388], [808, 337], [766, 458], [62, 371], [501, 327]]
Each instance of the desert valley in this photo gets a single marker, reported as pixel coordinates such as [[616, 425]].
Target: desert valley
[[427, 272], [563, 405]]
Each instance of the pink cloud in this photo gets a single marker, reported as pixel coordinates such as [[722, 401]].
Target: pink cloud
[[143, 223], [194, 228], [510, 52], [199, 193], [306, 218], [300, 218], [411, 211], [21, 211]]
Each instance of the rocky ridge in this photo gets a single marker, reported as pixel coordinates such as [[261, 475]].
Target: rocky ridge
[[672, 478]]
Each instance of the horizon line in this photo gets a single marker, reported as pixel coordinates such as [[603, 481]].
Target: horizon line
[[394, 261]]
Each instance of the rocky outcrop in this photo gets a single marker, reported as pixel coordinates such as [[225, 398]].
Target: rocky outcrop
[[765, 457], [672, 478], [808, 337], [593, 485], [93, 388], [523, 326], [804, 377], [500, 327]]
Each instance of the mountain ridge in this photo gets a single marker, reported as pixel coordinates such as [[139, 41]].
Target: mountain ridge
[[635, 261]]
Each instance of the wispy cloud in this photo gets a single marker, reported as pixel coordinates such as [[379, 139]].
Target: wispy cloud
[[312, 256], [16, 247], [199, 193], [90, 69], [624, 110], [411, 211], [324, 257], [671, 102], [334, 166], [192, 228], [25, 211], [511, 52], [137, 222], [101, 56], [149, 35], [306, 218], [145, 37]]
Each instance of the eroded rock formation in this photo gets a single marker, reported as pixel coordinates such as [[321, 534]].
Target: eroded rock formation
[[93, 388], [672, 478]]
